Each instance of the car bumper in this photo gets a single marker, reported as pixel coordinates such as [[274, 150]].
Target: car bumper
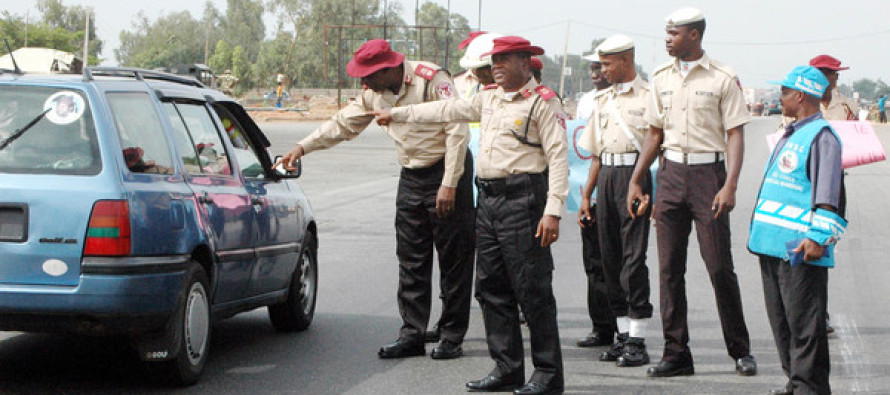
[[113, 295]]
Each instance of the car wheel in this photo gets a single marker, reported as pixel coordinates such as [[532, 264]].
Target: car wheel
[[193, 322], [295, 314]]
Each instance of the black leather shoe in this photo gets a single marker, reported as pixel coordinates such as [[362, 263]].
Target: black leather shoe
[[431, 336], [400, 349], [447, 350], [786, 390], [746, 366], [616, 350], [671, 368], [492, 383], [537, 388], [596, 339], [634, 353]]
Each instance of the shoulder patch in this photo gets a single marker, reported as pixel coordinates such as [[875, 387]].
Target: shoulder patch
[[425, 72], [545, 92], [490, 87], [445, 90]]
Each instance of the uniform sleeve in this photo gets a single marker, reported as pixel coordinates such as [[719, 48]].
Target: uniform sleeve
[[454, 110], [733, 107], [457, 133], [654, 109], [825, 169], [346, 124], [553, 142]]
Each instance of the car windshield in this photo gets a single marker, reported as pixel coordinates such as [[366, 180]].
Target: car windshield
[[63, 141]]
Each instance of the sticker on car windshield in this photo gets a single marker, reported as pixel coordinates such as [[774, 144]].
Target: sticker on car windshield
[[64, 107]]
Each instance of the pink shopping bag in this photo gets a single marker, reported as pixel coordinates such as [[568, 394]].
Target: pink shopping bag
[[861, 145]]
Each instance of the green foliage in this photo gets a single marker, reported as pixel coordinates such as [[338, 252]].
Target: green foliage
[[222, 57], [243, 25], [170, 40], [432, 44], [240, 67], [72, 19]]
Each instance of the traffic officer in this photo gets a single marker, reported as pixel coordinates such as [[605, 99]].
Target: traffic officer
[[477, 72], [598, 294], [795, 244], [434, 204], [834, 105], [697, 116], [523, 184], [619, 128]]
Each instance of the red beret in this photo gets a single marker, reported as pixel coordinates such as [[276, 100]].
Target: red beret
[[371, 57], [537, 64], [827, 62], [470, 37], [513, 44]]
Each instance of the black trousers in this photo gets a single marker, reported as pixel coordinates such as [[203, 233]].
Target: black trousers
[[685, 195], [513, 269], [796, 297], [418, 230], [599, 295], [624, 241]]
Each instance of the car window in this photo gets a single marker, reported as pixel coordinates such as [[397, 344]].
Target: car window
[[248, 162], [210, 148], [62, 135], [140, 132], [183, 142]]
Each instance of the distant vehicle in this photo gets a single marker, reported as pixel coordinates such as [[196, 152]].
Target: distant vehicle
[[144, 204], [198, 71], [772, 108]]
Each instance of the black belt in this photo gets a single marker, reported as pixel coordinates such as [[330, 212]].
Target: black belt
[[510, 184]]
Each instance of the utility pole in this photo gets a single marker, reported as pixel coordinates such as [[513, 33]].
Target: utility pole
[[447, 35], [86, 40], [565, 58], [384, 20], [207, 40], [479, 16], [27, 21]]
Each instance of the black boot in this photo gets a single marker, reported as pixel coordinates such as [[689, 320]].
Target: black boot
[[616, 350], [634, 353]]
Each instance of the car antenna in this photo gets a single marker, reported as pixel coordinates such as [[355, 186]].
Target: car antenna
[[14, 64]]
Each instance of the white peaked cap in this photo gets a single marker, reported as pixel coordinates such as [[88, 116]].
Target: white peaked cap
[[615, 44], [684, 16], [472, 58]]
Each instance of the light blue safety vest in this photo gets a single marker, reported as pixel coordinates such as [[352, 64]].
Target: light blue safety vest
[[785, 209]]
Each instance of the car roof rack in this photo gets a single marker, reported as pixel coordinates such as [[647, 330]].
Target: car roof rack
[[139, 74]]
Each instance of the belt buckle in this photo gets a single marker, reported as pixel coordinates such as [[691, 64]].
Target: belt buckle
[[686, 158]]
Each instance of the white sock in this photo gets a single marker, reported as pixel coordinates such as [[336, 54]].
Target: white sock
[[638, 327], [623, 324]]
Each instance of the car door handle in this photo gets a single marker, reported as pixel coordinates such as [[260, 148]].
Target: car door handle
[[205, 198], [257, 201]]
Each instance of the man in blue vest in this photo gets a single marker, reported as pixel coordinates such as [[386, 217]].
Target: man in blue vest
[[794, 229]]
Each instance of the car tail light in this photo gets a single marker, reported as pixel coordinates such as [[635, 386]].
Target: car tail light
[[108, 233]]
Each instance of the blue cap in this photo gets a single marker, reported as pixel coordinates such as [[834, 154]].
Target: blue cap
[[806, 79]]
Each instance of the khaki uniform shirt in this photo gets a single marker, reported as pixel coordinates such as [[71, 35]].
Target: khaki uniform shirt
[[467, 85], [419, 145], [500, 153], [696, 111], [607, 135], [841, 108]]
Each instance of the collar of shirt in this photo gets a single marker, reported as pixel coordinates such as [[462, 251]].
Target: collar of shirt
[[526, 91], [795, 126], [704, 62], [627, 87]]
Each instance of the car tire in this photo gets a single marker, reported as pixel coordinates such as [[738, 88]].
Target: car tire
[[296, 312], [193, 320]]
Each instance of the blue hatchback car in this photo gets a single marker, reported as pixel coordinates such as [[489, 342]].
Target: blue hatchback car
[[141, 203]]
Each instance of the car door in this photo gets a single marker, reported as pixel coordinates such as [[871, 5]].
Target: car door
[[277, 214], [220, 194]]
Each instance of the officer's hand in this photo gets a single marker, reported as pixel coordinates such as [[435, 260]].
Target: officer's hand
[[384, 117], [548, 230], [584, 216], [290, 158], [637, 201], [811, 250], [445, 201], [724, 202]]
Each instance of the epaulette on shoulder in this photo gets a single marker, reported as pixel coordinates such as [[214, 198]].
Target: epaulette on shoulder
[[723, 68], [662, 67], [490, 87], [545, 92], [601, 92], [425, 72]]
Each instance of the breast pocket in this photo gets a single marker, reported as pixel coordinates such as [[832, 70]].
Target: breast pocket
[[706, 106]]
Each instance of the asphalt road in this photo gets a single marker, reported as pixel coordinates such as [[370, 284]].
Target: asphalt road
[[352, 190]]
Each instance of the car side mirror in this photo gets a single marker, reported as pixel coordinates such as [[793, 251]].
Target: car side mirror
[[281, 172]]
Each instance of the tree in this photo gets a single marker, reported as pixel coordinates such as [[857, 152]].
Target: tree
[[243, 25], [173, 39], [433, 44], [222, 57], [241, 68]]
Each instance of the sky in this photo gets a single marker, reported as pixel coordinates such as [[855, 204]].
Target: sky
[[760, 39]]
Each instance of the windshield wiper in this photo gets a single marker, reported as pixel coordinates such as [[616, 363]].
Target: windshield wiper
[[20, 132]]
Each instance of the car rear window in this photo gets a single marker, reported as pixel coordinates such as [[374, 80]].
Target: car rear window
[[47, 131], [142, 136]]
